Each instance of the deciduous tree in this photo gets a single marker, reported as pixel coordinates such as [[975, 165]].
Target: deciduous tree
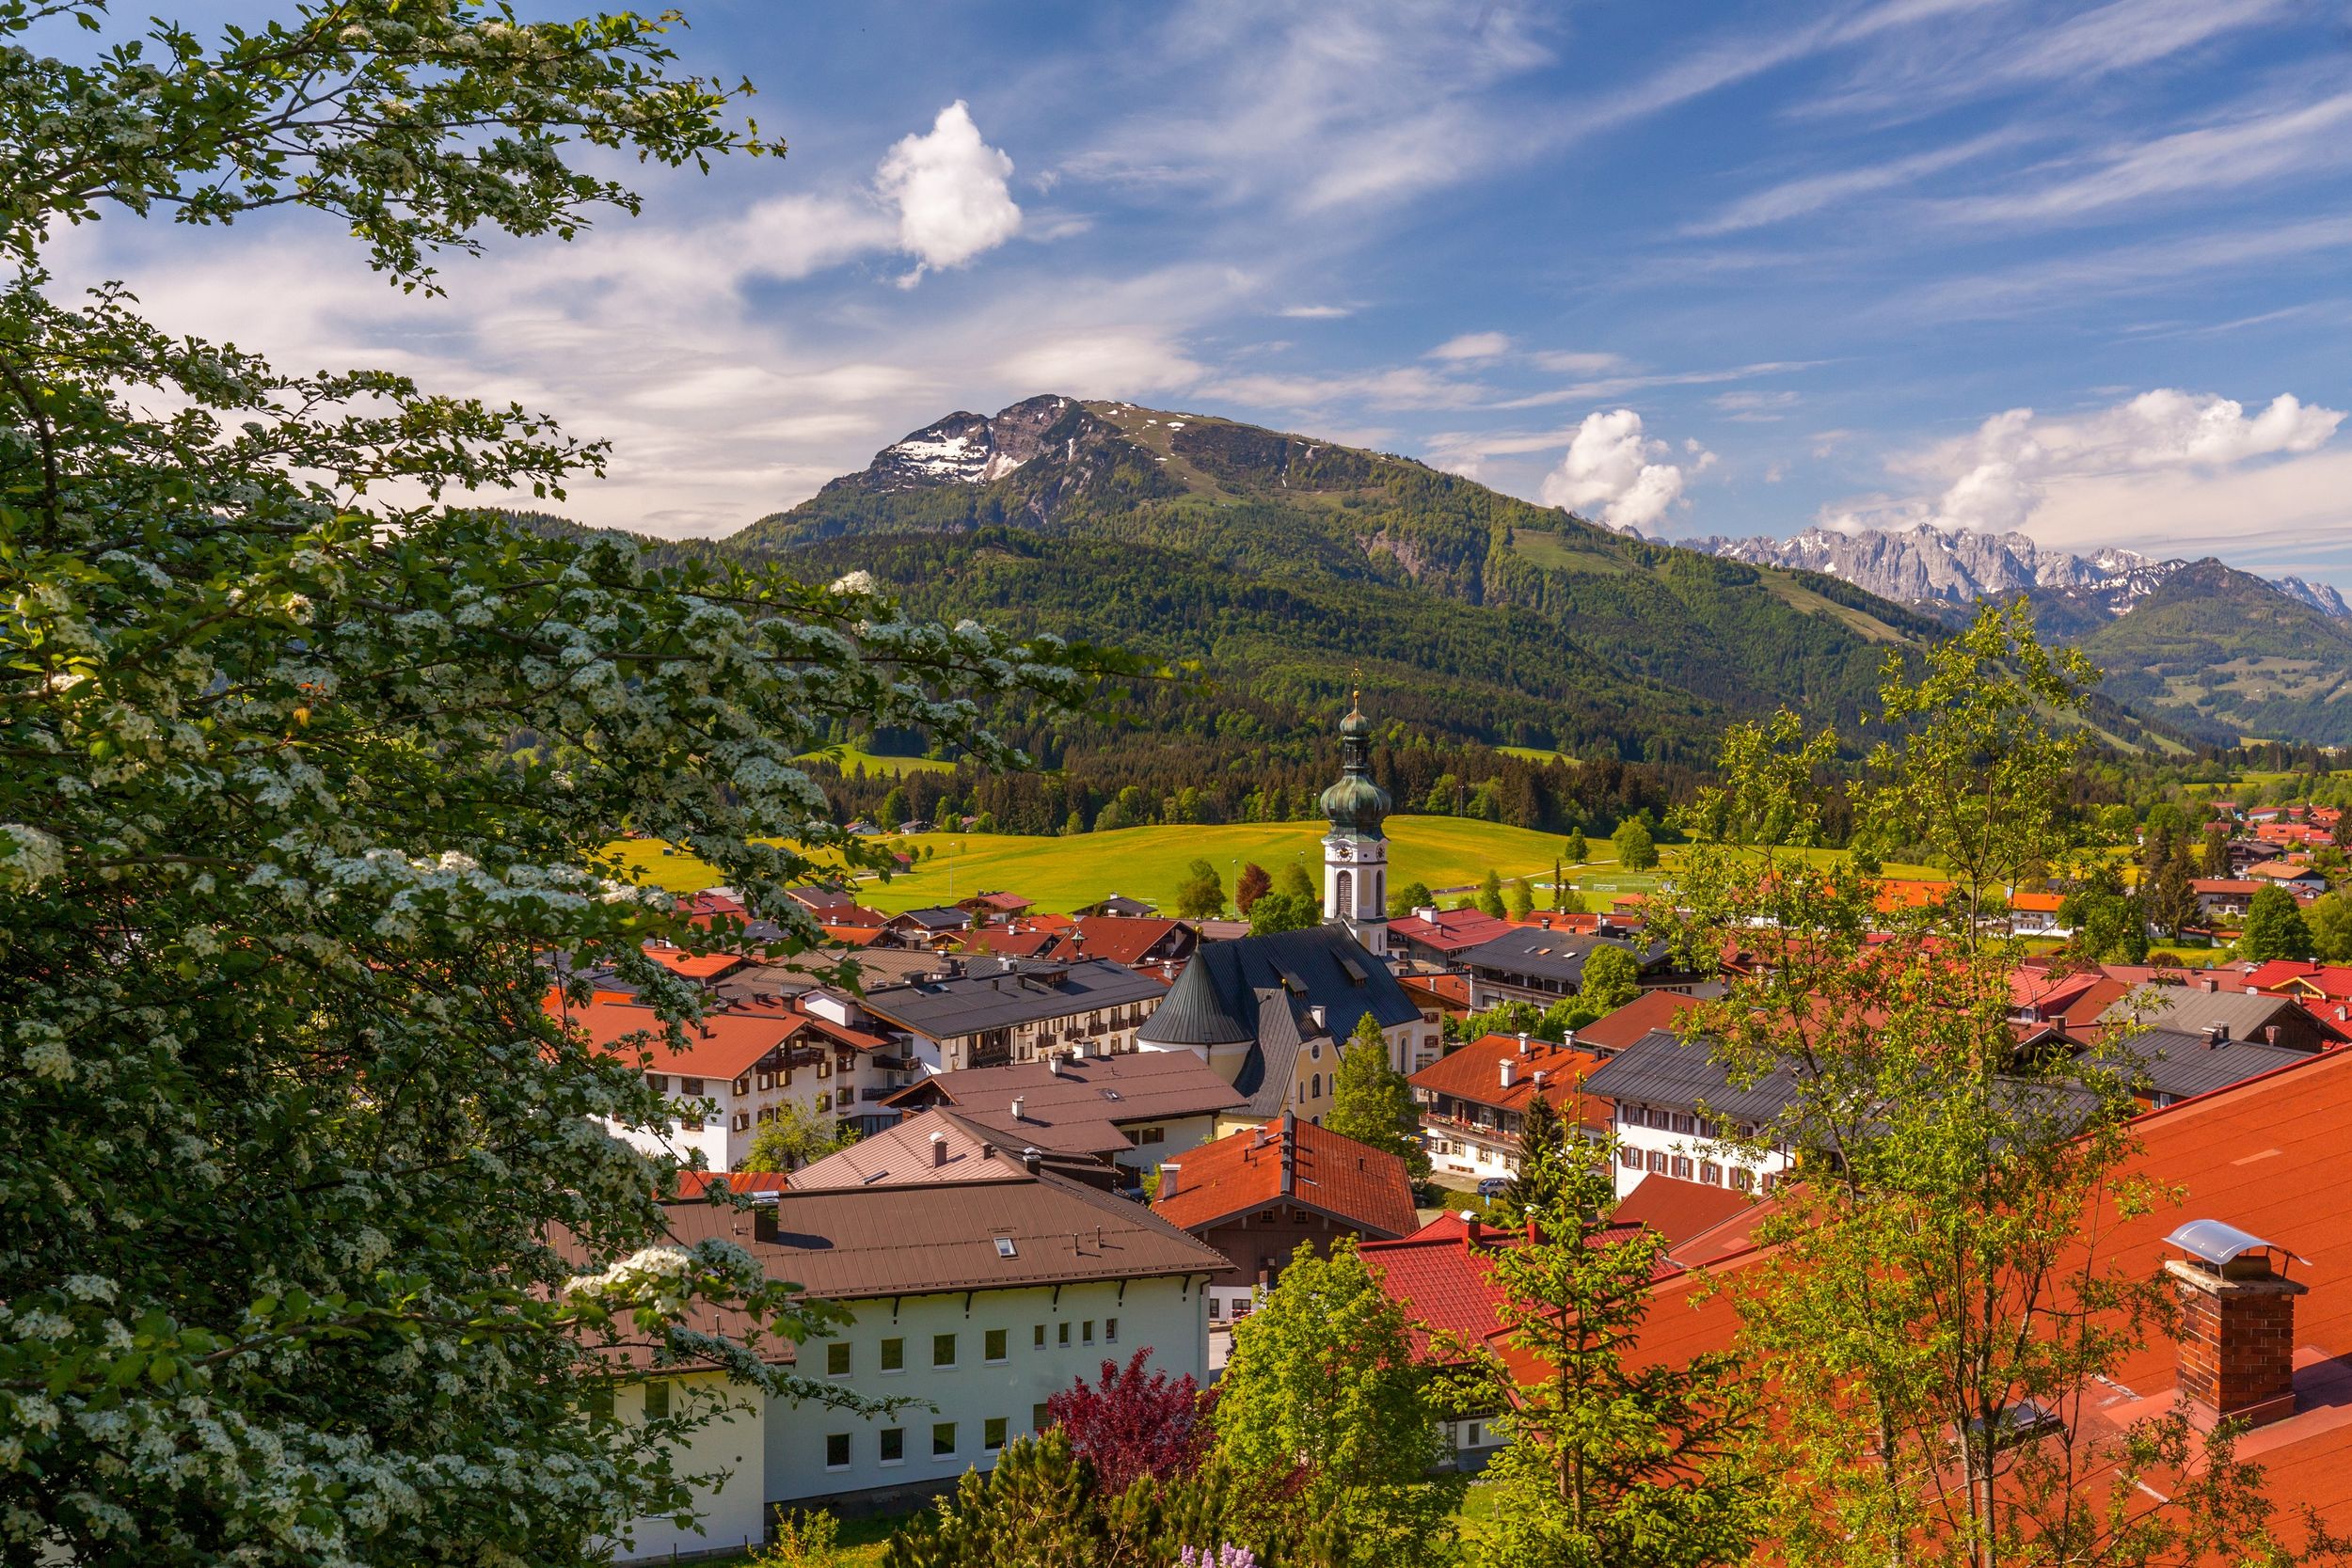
[[1201, 892], [1322, 1387], [1637, 849], [793, 1137], [2275, 927], [1133, 1423], [1611, 979], [1491, 895], [1253, 882], [306, 771]]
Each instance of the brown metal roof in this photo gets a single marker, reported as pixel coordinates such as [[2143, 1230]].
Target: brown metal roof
[[851, 1243], [1080, 1096]]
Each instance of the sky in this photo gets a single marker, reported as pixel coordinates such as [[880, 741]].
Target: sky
[[1690, 268]]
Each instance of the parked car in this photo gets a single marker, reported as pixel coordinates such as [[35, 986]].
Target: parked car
[[1494, 1186]]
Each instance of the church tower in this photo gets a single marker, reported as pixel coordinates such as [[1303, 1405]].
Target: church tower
[[1355, 851]]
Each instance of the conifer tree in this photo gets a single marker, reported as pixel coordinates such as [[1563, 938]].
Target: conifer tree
[[1544, 1159], [1608, 1465], [1491, 895], [1522, 901], [1371, 1102]]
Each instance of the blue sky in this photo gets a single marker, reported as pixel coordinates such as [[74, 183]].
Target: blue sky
[[1693, 268]]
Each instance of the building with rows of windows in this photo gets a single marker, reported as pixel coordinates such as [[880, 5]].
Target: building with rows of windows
[[975, 1298]]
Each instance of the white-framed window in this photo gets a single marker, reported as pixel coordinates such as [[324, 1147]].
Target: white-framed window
[[893, 1355], [993, 1346], [942, 1440], [836, 1451], [836, 1358], [894, 1445]]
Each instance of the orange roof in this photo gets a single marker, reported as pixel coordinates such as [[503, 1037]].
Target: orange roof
[[723, 1045], [694, 1183], [1652, 1010], [1678, 1211], [1291, 1162], [2041, 903], [1441, 992], [694, 966], [1474, 1072], [1123, 939], [853, 936]]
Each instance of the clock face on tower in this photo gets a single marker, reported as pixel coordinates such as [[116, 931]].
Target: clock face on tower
[[1341, 851]]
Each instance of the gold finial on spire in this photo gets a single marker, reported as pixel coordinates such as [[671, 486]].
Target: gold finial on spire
[[1355, 685]]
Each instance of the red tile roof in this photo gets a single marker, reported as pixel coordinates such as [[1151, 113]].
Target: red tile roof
[[1295, 1162], [1474, 1072], [1453, 931], [694, 1183], [1438, 1275], [1678, 1211], [1441, 993], [1120, 937], [1652, 1010]]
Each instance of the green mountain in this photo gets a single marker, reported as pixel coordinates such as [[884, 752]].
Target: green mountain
[[1284, 565], [2225, 655]]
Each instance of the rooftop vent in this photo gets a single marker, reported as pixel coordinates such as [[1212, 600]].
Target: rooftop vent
[[939, 1149], [1019, 1104]]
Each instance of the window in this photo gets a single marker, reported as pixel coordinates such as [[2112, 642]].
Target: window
[[766, 1113], [1110, 1331], [993, 1348], [894, 1445], [837, 1358], [1087, 1336], [1037, 1340], [598, 1406], [1315, 1051], [766, 1080], [743, 1084], [742, 1122], [1630, 1157], [1064, 1338], [1710, 1173], [824, 1067], [659, 1082], [893, 1355], [1039, 1418], [1005, 1247], [836, 1451], [1658, 1159], [1217, 1309], [1682, 1121], [1682, 1167], [1154, 1135], [942, 1440], [993, 1433], [690, 1087], [1469, 1435], [657, 1402], [942, 1350], [1743, 1180], [1661, 1121], [824, 1100]]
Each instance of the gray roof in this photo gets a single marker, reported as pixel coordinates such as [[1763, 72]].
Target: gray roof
[[846, 1242], [1322, 966], [965, 1004], [1272, 1063], [2192, 1009], [1551, 955], [1075, 1107], [1663, 1068], [2180, 1064], [937, 918]]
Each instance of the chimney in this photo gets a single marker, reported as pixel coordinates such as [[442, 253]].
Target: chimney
[[1510, 1073], [939, 1149], [1541, 1076], [1031, 1159], [1053, 1063], [1170, 1172], [2209, 982], [1020, 1103], [764, 1217], [1522, 1042], [2237, 1323]]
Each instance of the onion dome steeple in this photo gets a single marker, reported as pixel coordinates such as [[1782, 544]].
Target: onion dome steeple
[[1355, 804]]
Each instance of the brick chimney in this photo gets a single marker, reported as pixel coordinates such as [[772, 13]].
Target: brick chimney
[[2237, 1328]]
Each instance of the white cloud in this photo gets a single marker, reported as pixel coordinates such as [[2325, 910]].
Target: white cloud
[[950, 188], [2003, 474], [1611, 467], [1473, 345], [1316, 312]]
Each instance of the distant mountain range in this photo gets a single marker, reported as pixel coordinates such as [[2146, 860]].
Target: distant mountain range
[[1281, 566], [1945, 570]]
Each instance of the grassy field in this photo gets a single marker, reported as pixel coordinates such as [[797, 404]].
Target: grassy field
[[1062, 874], [849, 758]]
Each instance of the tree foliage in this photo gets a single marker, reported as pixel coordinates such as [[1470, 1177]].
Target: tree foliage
[[1608, 1464], [2275, 927], [1201, 892], [1371, 1103], [1544, 1168], [1283, 911], [305, 771], [1322, 1387], [793, 1137], [1491, 895], [1252, 883], [1942, 1274], [1637, 849], [1611, 977], [1134, 1423]]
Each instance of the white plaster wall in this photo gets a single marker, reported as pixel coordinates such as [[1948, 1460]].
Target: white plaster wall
[[735, 1511], [1170, 1316]]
